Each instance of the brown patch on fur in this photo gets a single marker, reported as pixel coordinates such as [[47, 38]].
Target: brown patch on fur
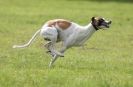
[[61, 23]]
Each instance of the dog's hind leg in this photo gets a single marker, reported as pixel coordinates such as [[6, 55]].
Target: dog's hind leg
[[50, 34], [47, 45]]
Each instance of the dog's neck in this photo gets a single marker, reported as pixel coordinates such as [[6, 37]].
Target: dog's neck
[[87, 32], [89, 28]]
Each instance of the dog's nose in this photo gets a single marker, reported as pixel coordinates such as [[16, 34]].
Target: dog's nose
[[110, 22]]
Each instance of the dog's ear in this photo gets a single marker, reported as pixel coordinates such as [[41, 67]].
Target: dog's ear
[[93, 19]]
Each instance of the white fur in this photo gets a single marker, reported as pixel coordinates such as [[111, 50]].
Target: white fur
[[75, 35]]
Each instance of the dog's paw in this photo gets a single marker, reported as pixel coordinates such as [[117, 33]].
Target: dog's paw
[[55, 53], [61, 55]]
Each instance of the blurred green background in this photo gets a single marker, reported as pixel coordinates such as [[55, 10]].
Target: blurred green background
[[105, 61]]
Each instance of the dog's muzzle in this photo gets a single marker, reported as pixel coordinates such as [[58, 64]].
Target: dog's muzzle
[[108, 24]]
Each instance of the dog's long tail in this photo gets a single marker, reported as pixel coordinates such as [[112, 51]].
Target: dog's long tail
[[30, 41]]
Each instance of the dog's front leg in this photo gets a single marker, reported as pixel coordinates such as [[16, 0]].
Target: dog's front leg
[[51, 49], [53, 59], [55, 56], [63, 50], [47, 45]]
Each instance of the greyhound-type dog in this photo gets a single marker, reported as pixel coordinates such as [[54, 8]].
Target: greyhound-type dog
[[70, 33]]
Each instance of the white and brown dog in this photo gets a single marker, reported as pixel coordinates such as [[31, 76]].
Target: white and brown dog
[[70, 33]]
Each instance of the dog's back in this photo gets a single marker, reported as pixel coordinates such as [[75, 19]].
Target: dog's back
[[60, 23]]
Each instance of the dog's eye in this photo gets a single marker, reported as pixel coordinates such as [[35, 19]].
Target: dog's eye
[[101, 20]]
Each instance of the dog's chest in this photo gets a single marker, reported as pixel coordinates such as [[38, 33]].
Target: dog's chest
[[81, 36]]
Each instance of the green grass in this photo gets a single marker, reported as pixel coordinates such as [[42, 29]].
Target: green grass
[[106, 60]]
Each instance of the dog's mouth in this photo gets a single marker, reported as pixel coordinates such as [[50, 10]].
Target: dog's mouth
[[105, 24], [108, 24]]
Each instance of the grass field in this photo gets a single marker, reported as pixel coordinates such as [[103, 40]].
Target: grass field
[[106, 60]]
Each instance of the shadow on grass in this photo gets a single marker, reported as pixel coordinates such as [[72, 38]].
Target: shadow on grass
[[119, 1]]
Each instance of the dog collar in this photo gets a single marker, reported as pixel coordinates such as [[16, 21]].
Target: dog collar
[[96, 28]]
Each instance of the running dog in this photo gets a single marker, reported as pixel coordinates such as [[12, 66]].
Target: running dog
[[70, 33]]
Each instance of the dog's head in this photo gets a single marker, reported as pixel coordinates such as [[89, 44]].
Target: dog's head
[[100, 23]]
